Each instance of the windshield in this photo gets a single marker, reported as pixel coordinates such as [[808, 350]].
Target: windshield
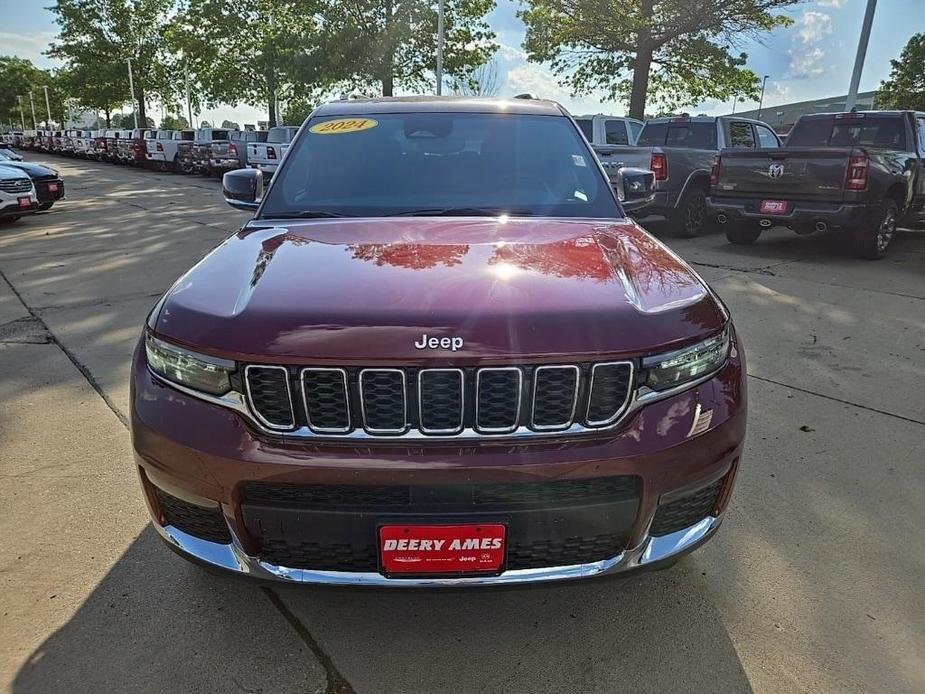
[[440, 163]]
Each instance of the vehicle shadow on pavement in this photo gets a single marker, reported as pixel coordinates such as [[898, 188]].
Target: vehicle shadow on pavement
[[156, 623], [655, 632]]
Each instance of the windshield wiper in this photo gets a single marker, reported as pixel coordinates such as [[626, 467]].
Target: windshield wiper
[[463, 212], [304, 214]]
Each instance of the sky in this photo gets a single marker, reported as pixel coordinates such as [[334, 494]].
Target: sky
[[811, 59]]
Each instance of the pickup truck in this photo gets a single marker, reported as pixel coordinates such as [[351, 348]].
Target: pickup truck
[[600, 129], [856, 172], [162, 150], [266, 156], [233, 153], [680, 151], [197, 156]]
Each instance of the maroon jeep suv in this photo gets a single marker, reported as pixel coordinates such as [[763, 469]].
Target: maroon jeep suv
[[438, 355]]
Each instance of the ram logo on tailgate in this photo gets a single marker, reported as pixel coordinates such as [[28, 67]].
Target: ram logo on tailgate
[[776, 170]]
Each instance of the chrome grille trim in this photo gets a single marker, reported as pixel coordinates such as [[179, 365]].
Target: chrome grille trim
[[462, 402], [571, 418], [250, 399], [308, 417], [626, 401], [404, 387], [520, 389]]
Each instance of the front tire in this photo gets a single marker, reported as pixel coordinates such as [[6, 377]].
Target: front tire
[[743, 235], [45, 206], [871, 242], [690, 219]]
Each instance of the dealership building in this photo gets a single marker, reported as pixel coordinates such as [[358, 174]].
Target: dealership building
[[782, 117]]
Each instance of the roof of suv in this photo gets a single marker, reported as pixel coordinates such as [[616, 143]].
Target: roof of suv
[[439, 104]]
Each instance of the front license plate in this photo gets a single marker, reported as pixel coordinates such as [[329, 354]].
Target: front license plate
[[441, 549], [773, 207], [25, 202], [52, 187]]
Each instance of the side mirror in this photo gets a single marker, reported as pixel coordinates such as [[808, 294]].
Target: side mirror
[[635, 188], [243, 189]]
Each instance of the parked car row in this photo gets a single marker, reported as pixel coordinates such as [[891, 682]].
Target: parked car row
[[26, 187], [206, 151]]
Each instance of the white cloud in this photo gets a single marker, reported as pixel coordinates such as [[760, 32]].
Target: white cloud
[[29, 46], [806, 63], [813, 25], [831, 3]]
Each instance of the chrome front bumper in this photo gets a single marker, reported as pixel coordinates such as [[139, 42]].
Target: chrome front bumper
[[232, 557]]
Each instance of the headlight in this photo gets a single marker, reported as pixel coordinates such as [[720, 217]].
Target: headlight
[[190, 369], [676, 368]]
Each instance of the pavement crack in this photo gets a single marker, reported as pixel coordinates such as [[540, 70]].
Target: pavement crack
[[81, 367], [336, 682], [840, 400], [745, 270]]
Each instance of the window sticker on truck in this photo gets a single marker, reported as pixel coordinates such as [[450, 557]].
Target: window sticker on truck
[[339, 126]]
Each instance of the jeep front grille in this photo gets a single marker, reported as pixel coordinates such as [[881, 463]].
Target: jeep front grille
[[438, 402]]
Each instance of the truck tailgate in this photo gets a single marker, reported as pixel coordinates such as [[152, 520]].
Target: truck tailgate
[[798, 173], [612, 155]]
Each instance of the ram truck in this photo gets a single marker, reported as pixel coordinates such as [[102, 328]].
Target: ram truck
[[266, 156], [438, 355], [680, 152], [162, 151], [856, 172], [609, 130]]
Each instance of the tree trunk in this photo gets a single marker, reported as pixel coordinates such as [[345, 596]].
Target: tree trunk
[[142, 116], [271, 108], [387, 83], [643, 63], [108, 117]]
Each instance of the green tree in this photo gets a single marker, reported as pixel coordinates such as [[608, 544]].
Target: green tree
[[230, 124], [905, 87], [95, 87], [18, 77], [393, 43], [170, 122], [673, 52], [240, 51], [96, 38], [298, 109]]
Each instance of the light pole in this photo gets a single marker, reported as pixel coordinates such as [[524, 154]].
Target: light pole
[[761, 100], [22, 118], [862, 53], [131, 87], [47, 108], [440, 31], [32, 103]]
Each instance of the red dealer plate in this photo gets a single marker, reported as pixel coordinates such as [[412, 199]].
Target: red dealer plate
[[439, 549], [773, 207], [53, 187], [25, 202]]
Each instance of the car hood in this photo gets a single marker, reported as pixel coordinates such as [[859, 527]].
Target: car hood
[[33, 170], [365, 291]]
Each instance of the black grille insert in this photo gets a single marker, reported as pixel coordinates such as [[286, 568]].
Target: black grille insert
[[382, 393], [441, 400], [270, 396], [326, 401], [610, 391], [498, 399], [571, 550], [679, 513], [205, 523], [555, 395], [318, 556]]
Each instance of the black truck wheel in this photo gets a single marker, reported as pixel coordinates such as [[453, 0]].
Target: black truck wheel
[[872, 240], [743, 235], [690, 218]]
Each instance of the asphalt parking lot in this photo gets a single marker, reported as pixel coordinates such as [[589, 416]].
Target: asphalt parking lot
[[814, 584]]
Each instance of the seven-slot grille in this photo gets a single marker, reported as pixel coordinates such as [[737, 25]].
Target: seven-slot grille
[[16, 185], [440, 401]]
